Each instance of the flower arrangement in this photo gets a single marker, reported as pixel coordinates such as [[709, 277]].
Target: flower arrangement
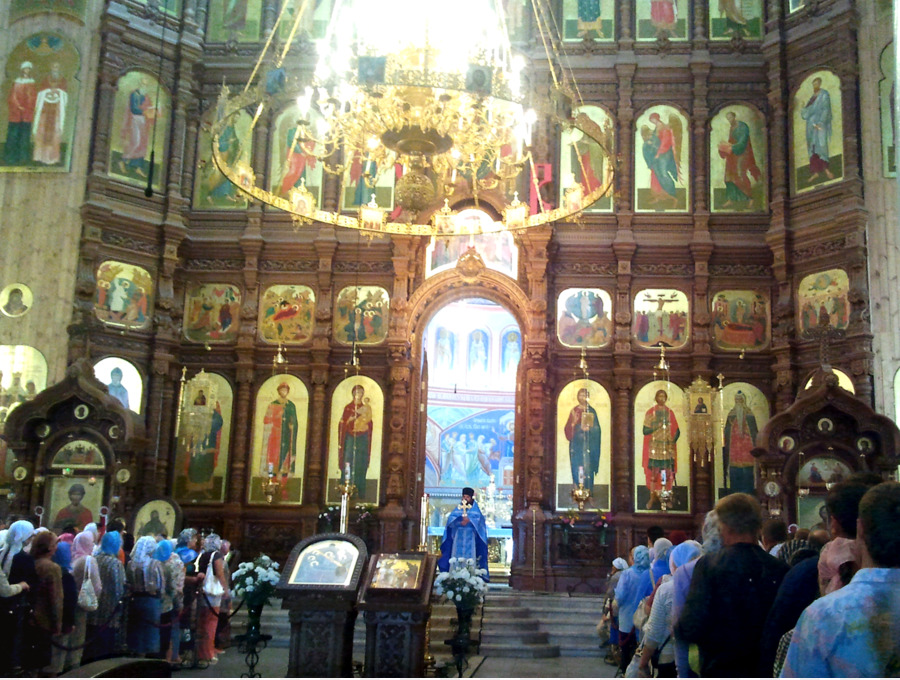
[[462, 584], [255, 581], [570, 517], [602, 521], [365, 512], [330, 515]]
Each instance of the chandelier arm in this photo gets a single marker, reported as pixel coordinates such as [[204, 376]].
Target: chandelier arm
[[563, 55], [294, 27]]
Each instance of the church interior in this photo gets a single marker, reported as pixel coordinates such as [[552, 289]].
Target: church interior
[[604, 261]]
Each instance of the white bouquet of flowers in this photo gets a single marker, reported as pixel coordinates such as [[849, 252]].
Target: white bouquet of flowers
[[462, 584], [255, 581]]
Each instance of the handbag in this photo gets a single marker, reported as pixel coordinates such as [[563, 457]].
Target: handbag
[[87, 597], [211, 585]]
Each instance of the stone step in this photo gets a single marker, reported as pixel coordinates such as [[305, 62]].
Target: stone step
[[519, 650], [529, 638]]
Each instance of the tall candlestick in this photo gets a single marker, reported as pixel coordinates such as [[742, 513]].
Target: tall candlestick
[[423, 522], [345, 508]]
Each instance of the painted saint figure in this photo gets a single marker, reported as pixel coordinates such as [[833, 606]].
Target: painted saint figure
[[512, 353], [661, 434], [50, 117], [465, 535], [74, 513], [116, 388], [740, 435], [817, 114], [299, 158], [355, 438], [280, 435], [20, 103], [478, 359], [583, 433], [739, 163], [661, 151], [140, 113]]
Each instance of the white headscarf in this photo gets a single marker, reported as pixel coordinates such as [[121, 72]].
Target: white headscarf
[[92, 528], [16, 537]]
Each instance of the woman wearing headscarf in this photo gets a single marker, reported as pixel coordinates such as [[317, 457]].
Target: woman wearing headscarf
[[170, 605], [146, 582], [618, 566], [660, 558], [47, 603], [59, 653], [712, 543], [210, 565], [658, 631], [186, 549], [84, 565], [18, 567], [104, 625], [634, 586]]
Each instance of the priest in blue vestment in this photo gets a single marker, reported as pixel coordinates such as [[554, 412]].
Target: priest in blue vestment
[[465, 535]]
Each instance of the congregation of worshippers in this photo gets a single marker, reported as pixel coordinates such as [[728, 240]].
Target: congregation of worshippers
[[754, 598], [93, 593]]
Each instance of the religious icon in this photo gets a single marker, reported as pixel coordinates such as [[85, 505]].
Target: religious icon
[[357, 408], [361, 315], [444, 350], [662, 457], [661, 318], [511, 352], [737, 157], [584, 162], [41, 91], [583, 445], [313, 22], [735, 19], [279, 438], [662, 18], [234, 20], [498, 250], [73, 501], [19, 9], [740, 320], [479, 343], [287, 314], [140, 125], [23, 374], [589, 20], [818, 132], [16, 299], [823, 471], [203, 439], [159, 516], [79, 454], [122, 380], [212, 190], [170, 7], [824, 298], [124, 294], [295, 164], [363, 180], [212, 313], [745, 411], [584, 317], [662, 151]]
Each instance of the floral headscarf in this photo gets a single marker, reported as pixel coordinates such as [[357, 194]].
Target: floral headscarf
[[641, 557], [212, 543], [83, 545], [18, 535]]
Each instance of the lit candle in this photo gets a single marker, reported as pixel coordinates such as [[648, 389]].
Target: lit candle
[[581, 474], [347, 473], [663, 477]]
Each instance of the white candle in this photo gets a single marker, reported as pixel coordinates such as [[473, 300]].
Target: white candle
[[347, 473], [581, 474], [663, 476]]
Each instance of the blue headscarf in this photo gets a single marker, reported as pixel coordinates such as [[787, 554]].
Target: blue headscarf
[[660, 566], [634, 585], [63, 556], [163, 551], [111, 543], [187, 555], [683, 553]]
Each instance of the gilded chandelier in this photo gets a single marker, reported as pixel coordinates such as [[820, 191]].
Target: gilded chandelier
[[431, 92]]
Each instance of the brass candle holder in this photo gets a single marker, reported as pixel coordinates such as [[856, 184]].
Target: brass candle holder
[[270, 488], [580, 495]]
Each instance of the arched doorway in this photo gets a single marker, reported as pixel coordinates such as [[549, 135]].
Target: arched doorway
[[473, 346]]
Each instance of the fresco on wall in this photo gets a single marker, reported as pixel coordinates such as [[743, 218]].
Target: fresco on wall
[[212, 313], [234, 21], [123, 381], [140, 105], [824, 295], [279, 439], [582, 161], [735, 18], [818, 132], [23, 8], [886, 99], [123, 296], [740, 320], [212, 190], [662, 160], [737, 160], [203, 439], [745, 410], [293, 163], [510, 351], [662, 455], [287, 314], [583, 446], [314, 22], [661, 317], [498, 250], [16, 299], [658, 18], [23, 374], [468, 446], [589, 19], [355, 433], [41, 90], [361, 315], [584, 317]]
